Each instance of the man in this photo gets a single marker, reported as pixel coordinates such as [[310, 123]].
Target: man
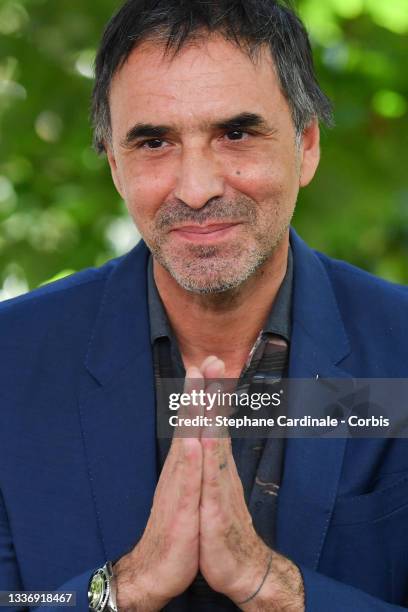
[[208, 114]]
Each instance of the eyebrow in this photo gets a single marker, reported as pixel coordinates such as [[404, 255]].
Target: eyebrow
[[241, 121]]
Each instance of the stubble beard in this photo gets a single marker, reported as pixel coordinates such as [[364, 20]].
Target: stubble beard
[[208, 270], [218, 269]]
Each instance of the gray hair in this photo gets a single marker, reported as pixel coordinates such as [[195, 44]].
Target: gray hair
[[250, 24]]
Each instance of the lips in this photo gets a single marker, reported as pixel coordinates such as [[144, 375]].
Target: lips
[[204, 229], [205, 234]]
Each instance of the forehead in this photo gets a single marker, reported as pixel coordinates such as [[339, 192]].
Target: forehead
[[204, 80]]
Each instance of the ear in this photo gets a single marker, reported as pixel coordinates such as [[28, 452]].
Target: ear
[[310, 153], [114, 170]]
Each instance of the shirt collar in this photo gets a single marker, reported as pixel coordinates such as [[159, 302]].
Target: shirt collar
[[279, 318], [159, 322]]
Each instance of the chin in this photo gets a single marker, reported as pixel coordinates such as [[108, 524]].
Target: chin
[[208, 287], [212, 269], [205, 279]]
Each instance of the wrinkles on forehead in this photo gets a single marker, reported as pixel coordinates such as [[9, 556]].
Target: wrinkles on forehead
[[155, 55]]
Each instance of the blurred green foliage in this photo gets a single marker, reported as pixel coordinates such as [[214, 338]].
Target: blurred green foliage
[[58, 208]]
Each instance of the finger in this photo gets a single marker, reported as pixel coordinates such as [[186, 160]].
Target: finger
[[214, 371], [213, 367], [187, 484], [207, 362], [218, 494], [194, 379], [213, 465], [222, 495], [214, 426], [179, 486], [193, 385]]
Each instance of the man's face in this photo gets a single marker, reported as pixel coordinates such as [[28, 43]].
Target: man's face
[[204, 153]]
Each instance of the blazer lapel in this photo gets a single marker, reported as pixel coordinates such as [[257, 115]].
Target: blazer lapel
[[117, 408], [312, 465]]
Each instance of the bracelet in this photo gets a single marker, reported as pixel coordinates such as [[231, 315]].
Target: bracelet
[[240, 603]]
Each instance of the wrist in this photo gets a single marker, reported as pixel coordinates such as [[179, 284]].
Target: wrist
[[134, 590], [252, 577], [284, 587], [125, 598], [278, 586]]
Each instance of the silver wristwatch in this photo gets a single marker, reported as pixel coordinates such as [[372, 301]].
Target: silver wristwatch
[[102, 590]]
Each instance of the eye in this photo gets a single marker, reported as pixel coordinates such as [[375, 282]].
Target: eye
[[236, 135], [152, 143]]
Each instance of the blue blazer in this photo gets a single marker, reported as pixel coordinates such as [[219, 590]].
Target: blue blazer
[[77, 434]]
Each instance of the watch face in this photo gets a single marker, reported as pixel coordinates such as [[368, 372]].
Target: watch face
[[96, 589]]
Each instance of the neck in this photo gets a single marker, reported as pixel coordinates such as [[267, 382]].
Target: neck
[[225, 324]]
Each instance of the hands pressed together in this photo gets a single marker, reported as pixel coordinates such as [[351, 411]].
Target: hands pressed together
[[199, 521]]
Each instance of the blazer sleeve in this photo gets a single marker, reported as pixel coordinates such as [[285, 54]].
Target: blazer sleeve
[[9, 575], [10, 579], [79, 585], [323, 593]]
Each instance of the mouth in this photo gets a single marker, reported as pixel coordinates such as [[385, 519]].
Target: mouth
[[205, 233]]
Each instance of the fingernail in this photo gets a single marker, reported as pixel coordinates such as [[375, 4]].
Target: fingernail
[[208, 360], [193, 372]]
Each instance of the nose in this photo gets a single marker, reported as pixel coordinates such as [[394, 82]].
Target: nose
[[199, 178]]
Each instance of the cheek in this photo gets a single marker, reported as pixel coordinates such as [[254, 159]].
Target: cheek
[[263, 181], [144, 192]]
